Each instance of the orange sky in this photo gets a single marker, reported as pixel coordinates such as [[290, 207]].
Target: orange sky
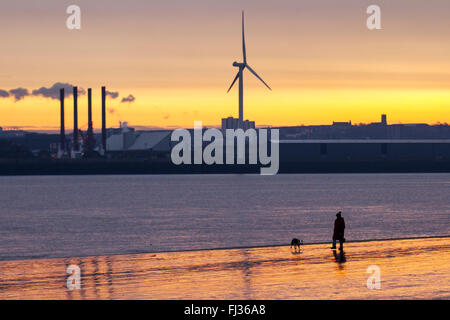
[[176, 59]]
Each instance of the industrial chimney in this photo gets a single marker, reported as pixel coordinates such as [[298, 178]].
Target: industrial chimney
[[104, 118], [90, 133], [62, 134], [75, 119]]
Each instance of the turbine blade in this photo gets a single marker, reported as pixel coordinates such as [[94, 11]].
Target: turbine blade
[[256, 75], [244, 53], [237, 76]]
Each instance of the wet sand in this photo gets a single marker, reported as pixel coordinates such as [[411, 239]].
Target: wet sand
[[411, 269]]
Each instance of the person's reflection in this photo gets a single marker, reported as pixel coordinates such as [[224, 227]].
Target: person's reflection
[[340, 258]]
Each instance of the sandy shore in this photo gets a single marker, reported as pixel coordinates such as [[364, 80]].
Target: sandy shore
[[413, 269]]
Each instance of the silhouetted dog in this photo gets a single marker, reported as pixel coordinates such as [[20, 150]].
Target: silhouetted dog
[[296, 243]]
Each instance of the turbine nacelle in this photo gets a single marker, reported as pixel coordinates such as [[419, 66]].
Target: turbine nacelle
[[238, 64]]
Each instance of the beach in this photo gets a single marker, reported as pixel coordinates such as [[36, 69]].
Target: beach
[[408, 269]]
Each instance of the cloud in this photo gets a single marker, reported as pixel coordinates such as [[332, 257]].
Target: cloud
[[19, 93], [129, 99], [53, 91], [112, 94]]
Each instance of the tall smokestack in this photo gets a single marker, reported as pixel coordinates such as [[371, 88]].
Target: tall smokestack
[[90, 133], [104, 118], [62, 133], [75, 118], [89, 110]]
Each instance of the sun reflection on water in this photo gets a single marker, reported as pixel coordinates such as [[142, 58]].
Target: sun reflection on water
[[409, 269]]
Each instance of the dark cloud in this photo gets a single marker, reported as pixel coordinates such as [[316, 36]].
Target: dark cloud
[[19, 93], [53, 91], [113, 95], [129, 99]]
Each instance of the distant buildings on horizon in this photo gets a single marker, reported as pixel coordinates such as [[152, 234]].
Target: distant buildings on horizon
[[374, 130], [128, 139], [233, 123]]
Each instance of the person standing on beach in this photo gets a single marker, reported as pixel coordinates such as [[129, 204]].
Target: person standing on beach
[[338, 233]]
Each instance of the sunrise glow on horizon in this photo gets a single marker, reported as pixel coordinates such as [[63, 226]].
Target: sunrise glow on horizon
[[321, 61]]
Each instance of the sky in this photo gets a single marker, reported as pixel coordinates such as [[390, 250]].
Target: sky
[[174, 57]]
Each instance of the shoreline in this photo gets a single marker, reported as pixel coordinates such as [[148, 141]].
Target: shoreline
[[224, 248], [146, 167]]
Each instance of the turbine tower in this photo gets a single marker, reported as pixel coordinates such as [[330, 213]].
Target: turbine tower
[[240, 74]]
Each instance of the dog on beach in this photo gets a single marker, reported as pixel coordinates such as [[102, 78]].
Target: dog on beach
[[296, 243]]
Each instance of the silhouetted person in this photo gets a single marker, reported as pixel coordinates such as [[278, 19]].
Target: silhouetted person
[[338, 233]]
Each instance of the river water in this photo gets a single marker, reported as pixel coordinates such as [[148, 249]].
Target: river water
[[72, 216]]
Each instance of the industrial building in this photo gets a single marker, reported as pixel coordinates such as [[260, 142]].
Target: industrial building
[[233, 123], [126, 141], [347, 150]]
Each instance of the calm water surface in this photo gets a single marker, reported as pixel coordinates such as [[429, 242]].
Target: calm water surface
[[68, 216]]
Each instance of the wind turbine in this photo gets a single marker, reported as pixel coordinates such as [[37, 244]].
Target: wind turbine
[[240, 74]]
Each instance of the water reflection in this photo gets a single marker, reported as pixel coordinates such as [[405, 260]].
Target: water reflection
[[410, 269], [246, 272], [339, 257]]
